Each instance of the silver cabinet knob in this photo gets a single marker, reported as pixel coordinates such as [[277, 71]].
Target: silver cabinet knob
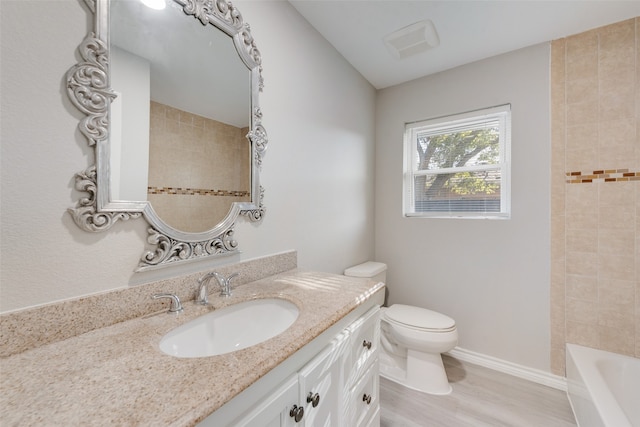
[[313, 398], [366, 398], [297, 412], [366, 344]]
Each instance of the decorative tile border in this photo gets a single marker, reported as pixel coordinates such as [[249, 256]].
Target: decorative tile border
[[602, 175], [195, 191]]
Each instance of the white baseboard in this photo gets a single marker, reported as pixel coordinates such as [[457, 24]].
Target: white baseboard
[[530, 374]]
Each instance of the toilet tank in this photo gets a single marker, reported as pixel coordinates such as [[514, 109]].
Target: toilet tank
[[371, 270]]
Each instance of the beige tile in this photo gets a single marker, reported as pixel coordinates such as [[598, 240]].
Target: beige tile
[[616, 267], [620, 194], [558, 137], [558, 186], [617, 35], [198, 121], [584, 113], [557, 332], [582, 240], [616, 241], [558, 60], [582, 311], [558, 277], [617, 143], [172, 126], [558, 361], [582, 220], [616, 217], [581, 198], [156, 124], [582, 334], [616, 46], [558, 100], [616, 307], [582, 264], [582, 160], [580, 45], [582, 287], [582, 90], [185, 118], [617, 101], [582, 137], [616, 340], [636, 165], [558, 249], [582, 68], [172, 114], [582, 56], [157, 109]]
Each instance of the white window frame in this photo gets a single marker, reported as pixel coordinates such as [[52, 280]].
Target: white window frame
[[453, 122]]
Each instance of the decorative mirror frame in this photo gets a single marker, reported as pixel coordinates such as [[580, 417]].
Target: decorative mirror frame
[[89, 89]]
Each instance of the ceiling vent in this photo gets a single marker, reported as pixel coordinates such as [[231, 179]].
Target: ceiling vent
[[411, 40]]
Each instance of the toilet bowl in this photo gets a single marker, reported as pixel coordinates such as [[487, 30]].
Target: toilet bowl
[[412, 340]]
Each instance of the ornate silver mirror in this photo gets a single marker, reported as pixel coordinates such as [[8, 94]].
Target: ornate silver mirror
[[171, 104]]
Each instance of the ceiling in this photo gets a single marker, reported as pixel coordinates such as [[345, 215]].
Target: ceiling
[[468, 30], [193, 67]]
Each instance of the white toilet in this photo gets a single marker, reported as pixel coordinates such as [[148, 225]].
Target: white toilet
[[412, 340]]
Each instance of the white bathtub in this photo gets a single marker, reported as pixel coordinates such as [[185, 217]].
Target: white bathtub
[[603, 387]]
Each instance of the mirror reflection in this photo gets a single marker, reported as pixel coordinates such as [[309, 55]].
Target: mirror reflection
[[181, 116]]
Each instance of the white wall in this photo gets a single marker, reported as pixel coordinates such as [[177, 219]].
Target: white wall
[[130, 112], [491, 276], [318, 112]]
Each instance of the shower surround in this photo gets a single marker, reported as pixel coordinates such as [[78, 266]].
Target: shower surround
[[595, 193]]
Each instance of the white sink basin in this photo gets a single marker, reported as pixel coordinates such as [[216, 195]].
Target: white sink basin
[[230, 328]]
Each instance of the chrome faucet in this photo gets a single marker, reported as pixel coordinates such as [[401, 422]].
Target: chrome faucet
[[202, 294], [176, 306], [225, 283]]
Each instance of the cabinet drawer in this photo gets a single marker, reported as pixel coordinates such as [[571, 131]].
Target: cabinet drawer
[[364, 399], [365, 339]]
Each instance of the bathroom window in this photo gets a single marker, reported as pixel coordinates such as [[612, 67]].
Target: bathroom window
[[458, 166]]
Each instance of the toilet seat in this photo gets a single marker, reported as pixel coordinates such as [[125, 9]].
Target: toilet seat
[[419, 319]]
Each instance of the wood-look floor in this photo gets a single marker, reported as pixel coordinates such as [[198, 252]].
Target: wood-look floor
[[481, 397]]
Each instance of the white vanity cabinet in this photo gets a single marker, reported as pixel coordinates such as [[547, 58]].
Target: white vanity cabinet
[[337, 387], [274, 410], [321, 385], [362, 405]]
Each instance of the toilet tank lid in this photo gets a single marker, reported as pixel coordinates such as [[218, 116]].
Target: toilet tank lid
[[367, 269]]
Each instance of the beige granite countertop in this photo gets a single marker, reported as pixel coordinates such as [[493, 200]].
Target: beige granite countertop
[[117, 375]]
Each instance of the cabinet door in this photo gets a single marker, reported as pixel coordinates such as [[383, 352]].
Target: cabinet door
[[321, 386], [364, 399], [274, 411]]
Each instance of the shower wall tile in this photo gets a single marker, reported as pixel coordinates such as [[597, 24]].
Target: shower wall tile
[[582, 287], [190, 182], [582, 311], [616, 340], [595, 84], [582, 333], [558, 223]]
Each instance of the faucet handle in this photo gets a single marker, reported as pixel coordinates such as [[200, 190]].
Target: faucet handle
[[176, 306], [225, 283]]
